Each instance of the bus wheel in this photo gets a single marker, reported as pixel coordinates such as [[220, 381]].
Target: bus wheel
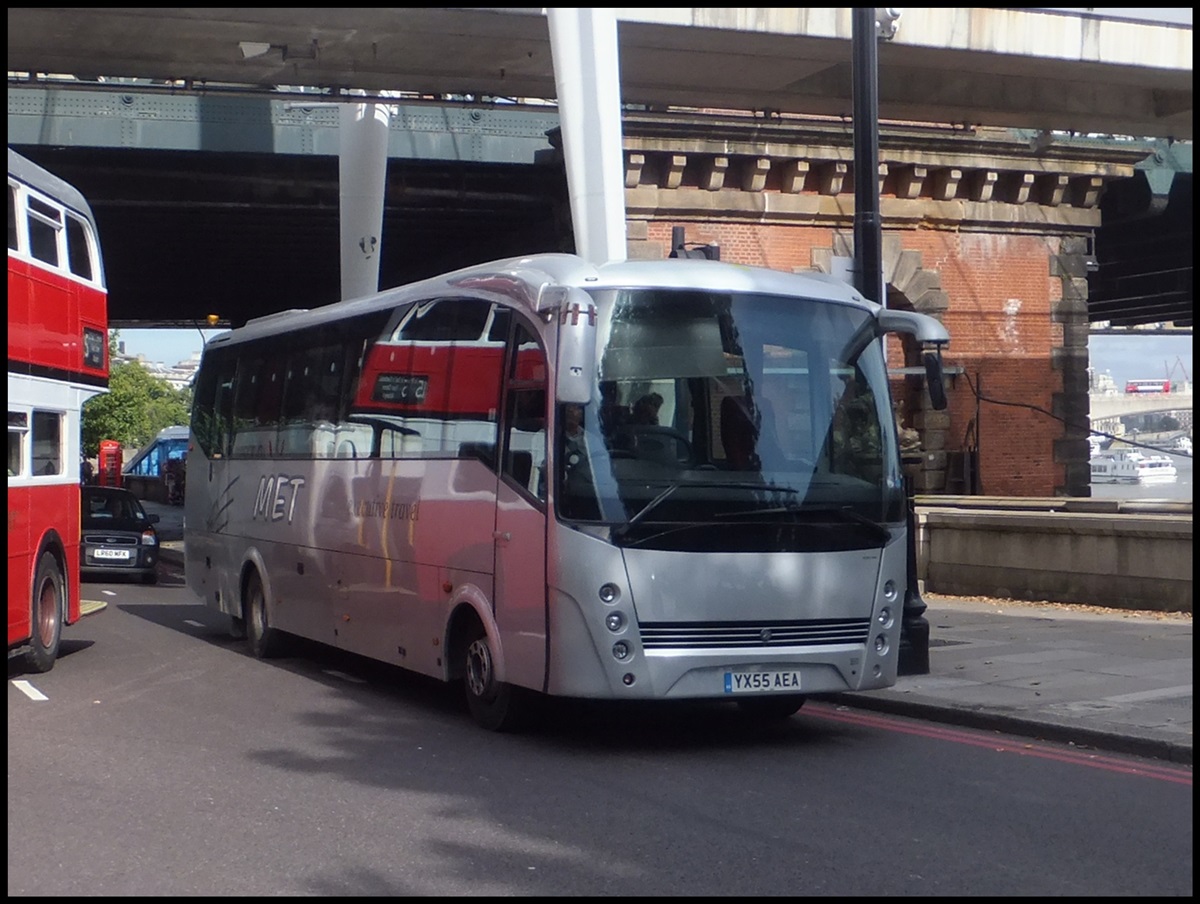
[[264, 640], [237, 627], [494, 705], [49, 594], [772, 708]]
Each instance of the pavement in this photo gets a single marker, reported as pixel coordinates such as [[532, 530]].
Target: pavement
[[1108, 679]]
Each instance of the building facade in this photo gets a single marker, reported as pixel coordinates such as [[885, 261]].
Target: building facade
[[991, 233]]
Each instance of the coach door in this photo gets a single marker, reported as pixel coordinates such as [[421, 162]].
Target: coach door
[[520, 534]]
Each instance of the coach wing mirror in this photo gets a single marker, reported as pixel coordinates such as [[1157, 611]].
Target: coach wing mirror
[[922, 327], [933, 379], [576, 315], [928, 331]]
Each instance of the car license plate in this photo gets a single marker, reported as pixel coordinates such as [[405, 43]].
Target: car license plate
[[783, 680], [122, 554]]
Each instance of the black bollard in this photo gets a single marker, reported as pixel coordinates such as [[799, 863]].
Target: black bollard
[[914, 628]]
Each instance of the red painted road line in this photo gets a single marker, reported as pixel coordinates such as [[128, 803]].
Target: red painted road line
[[978, 738]]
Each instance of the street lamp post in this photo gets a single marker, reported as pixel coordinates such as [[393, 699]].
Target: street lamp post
[[868, 254]]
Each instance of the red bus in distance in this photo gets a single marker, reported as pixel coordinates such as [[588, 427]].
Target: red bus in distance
[[1153, 386]]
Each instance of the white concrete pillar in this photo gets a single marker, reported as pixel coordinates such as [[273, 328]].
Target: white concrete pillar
[[362, 178], [583, 44]]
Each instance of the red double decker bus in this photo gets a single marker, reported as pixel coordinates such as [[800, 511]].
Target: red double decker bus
[[57, 359], [1154, 386]]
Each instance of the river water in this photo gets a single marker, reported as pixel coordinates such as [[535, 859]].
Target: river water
[[1179, 491]]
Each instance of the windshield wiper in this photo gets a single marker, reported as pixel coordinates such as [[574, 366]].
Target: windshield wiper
[[840, 513], [622, 529]]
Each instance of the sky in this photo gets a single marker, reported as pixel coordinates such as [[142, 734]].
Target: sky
[[1125, 357], [1142, 357], [167, 347]]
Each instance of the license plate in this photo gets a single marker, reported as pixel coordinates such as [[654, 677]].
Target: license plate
[[122, 554], [783, 680]]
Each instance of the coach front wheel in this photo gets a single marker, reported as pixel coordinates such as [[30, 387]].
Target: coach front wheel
[[495, 705]]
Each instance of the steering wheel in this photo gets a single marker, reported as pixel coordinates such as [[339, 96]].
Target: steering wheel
[[664, 434]]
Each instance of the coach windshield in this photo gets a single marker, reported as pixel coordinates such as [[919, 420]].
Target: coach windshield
[[722, 420]]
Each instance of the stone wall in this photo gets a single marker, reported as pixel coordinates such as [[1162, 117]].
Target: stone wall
[[1128, 561]]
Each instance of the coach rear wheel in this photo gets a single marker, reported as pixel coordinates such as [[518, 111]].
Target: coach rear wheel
[[772, 708], [237, 627], [264, 640], [495, 705], [49, 596]]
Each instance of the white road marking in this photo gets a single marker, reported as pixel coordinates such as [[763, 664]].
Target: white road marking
[[194, 624], [29, 690]]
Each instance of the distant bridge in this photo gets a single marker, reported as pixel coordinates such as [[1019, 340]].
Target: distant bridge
[[1104, 406]]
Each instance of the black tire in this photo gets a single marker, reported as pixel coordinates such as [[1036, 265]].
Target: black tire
[[494, 705], [769, 709], [151, 578], [265, 641], [46, 614], [237, 627]]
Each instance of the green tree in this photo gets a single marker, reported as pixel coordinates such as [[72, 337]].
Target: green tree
[[136, 406]]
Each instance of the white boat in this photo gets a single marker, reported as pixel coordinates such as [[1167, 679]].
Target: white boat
[[1131, 466], [1183, 445]]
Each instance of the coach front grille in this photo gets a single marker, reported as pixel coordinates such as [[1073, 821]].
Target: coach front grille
[[704, 635]]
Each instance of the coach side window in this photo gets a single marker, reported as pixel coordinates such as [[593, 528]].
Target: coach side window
[[257, 404], [311, 401], [430, 385], [525, 424], [212, 409]]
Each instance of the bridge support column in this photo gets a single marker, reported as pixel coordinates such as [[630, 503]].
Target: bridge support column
[[362, 178], [583, 43]]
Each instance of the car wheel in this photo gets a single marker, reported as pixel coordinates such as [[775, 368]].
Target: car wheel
[[46, 614], [495, 705], [151, 578], [772, 708], [264, 640]]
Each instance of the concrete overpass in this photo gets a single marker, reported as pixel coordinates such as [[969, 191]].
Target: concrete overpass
[[216, 80], [1055, 71]]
